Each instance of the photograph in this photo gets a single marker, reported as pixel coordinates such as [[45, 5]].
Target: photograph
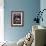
[[17, 18]]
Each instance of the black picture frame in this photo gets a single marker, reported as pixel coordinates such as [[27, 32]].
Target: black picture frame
[[17, 18]]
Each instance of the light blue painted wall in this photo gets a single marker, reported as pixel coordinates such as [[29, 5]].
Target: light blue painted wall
[[30, 7]]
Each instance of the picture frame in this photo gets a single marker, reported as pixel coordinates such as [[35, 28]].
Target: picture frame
[[17, 18]]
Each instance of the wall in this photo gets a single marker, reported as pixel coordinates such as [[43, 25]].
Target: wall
[[1, 21], [43, 6], [30, 7]]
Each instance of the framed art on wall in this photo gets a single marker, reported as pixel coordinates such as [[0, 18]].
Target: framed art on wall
[[17, 18]]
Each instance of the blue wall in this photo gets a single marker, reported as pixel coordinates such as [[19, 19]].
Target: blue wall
[[43, 6], [29, 7]]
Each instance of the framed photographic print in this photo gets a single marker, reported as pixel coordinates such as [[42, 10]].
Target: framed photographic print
[[17, 18]]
